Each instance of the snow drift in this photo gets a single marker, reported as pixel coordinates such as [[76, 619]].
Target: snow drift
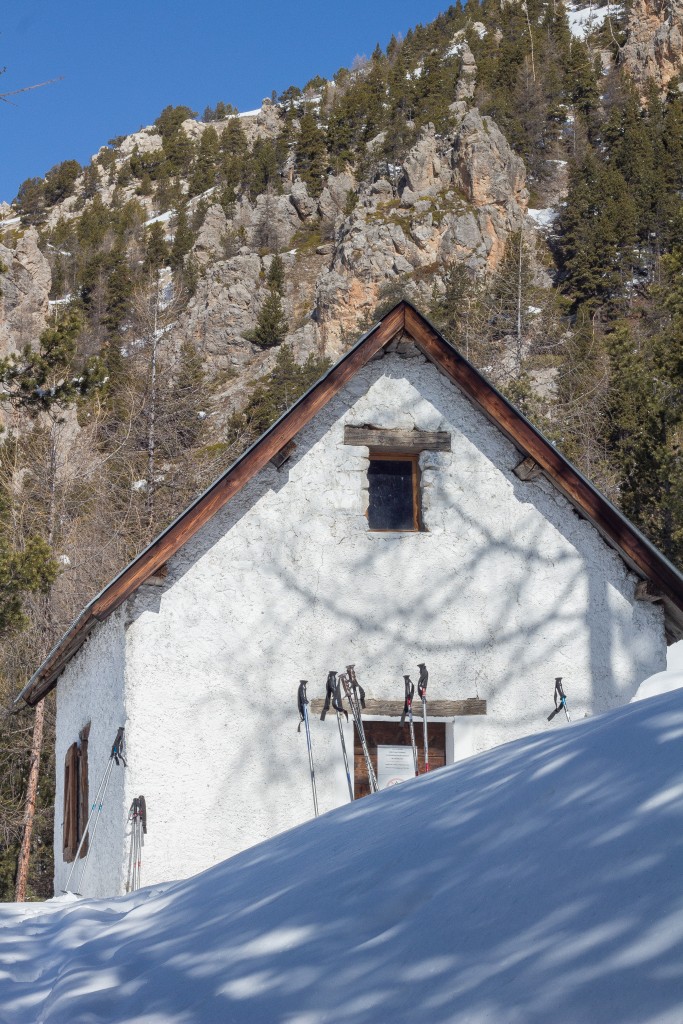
[[538, 882]]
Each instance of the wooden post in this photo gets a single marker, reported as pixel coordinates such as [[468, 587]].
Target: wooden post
[[30, 804]]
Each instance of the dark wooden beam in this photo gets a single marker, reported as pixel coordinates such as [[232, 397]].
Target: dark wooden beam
[[646, 591], [285, 453], [232, 482], [410, 442], [528, 469], [435, 708], [585, 499]]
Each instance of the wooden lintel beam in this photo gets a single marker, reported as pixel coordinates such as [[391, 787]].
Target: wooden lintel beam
[[412, 442], [435, 708]]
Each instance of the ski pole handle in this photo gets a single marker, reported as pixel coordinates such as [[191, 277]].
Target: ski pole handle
[[422, 681]]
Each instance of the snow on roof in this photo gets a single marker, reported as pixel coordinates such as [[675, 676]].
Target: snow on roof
[[583, 21], [537, 882]]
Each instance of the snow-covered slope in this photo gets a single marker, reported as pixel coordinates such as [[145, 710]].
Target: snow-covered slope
[[538, 882]]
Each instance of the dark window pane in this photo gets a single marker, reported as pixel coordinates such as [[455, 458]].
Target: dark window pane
[[391, 495]]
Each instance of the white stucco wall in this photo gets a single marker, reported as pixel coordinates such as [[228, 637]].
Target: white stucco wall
[[91, 690], [506, 588]]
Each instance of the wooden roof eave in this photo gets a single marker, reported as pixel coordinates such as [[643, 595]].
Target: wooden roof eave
[[639, 554], [211, 501], [637, 551]]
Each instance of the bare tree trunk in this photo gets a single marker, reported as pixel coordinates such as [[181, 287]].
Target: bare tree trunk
[[39, 717], [519, 302], [30, 803], [531, 41]]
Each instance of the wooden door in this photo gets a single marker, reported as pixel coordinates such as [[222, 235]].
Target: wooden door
[[396, 735]]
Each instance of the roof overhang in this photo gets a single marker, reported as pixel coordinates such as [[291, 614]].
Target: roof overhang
[[403, 320]]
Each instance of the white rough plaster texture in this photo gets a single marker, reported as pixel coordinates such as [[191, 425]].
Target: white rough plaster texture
[[505, 589], [91, 690]]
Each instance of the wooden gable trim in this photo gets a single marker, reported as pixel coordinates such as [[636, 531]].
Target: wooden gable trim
[[208, 504], [611, 523], [639, 554]]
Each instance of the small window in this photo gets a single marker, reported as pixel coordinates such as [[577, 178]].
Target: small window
[[393, 483], [75, 796]]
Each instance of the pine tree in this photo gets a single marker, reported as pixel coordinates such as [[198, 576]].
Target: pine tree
[[206, 166], [310, 154], [274, 393], [189, 390], [157, 252], [597, 232], [183, 239], [271, 324], [118, 291], [583, 387], [30, 201]]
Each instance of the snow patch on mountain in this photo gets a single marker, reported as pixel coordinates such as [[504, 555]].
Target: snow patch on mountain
[[585, 20]]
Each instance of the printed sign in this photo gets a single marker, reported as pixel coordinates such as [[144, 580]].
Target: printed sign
[[394, 765]]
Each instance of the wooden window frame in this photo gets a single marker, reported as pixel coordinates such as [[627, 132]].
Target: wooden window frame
[[414, 459]]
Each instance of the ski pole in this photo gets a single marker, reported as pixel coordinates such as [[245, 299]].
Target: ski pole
[[302, 701], [137, 816], [408, 710], [422, 691], [115, 757], [356, 697], [560, 699], [333, 697]]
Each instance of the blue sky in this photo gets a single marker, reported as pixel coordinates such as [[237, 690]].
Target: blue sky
[[123, 61]]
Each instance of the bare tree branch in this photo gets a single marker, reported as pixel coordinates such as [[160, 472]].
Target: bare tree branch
[[27, 88]]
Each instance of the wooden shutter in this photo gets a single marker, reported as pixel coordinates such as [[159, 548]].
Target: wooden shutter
[[83, 802], [70, 822]]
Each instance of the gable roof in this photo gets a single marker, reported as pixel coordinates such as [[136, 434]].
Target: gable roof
[[666, 583]]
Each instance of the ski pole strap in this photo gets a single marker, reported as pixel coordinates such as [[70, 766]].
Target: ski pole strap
[[329, 694], [302, 701], [422, 681], [117, 748], [410, 691], [337, 701], [142, 813], [355, 684]]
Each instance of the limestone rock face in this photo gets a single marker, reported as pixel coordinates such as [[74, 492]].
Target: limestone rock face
[[147, 141], [304, 205], [654, 49], [456, 197], [422, 166], [224, 307], [459, 197], [24, 290], [210, 244]]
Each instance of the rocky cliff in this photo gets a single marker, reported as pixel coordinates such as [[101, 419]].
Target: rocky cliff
[[654, 46]]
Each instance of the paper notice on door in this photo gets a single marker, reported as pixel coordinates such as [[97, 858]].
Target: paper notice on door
[[394, 765]]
